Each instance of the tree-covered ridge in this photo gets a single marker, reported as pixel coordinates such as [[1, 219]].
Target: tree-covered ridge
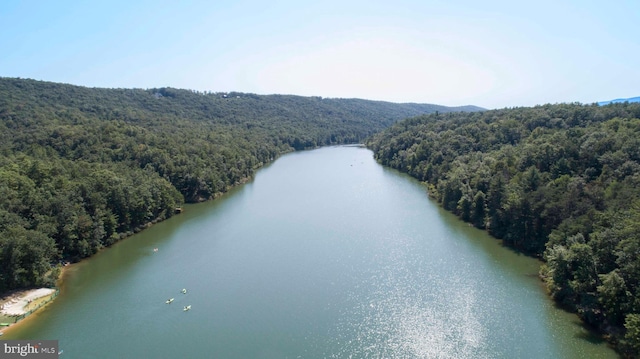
[[81, 167], [557, 181]]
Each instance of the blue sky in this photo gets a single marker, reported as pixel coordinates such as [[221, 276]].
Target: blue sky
[[490, 53]]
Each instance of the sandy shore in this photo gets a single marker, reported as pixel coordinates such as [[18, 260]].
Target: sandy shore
[[15, 303]]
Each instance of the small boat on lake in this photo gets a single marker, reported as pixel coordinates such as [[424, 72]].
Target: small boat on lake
[[169, 301], [184, 291], [187, 308]]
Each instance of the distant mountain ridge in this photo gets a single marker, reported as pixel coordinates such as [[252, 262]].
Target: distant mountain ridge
[[620, 100]]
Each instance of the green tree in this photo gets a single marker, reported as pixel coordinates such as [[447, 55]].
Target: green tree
[[632, 336]]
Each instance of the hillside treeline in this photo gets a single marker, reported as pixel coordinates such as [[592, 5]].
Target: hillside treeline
[[561, 182], [81, 168]]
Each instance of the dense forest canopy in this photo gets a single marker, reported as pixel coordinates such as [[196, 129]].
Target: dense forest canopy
[[81, 168], [561, 182]]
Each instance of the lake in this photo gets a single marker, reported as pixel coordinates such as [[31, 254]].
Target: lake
[[325, 254]]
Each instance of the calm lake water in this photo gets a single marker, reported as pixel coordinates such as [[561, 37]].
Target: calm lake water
[[326, 254]]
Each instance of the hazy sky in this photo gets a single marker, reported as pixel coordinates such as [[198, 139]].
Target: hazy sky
[[489, 53]]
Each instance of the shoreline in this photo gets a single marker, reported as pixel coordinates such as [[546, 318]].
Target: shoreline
[[22, 295], [18, 305], [18, 299]]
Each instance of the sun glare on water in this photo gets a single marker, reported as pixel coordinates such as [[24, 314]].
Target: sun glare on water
[[407, 315]]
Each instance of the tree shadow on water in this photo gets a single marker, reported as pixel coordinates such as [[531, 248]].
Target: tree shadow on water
[[589, 334]]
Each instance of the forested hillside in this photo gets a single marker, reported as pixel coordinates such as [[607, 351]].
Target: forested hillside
[[81, 168], [561, 182]]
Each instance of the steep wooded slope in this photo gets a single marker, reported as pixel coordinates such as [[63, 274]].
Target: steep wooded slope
[[557, 181], [81, 167]]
